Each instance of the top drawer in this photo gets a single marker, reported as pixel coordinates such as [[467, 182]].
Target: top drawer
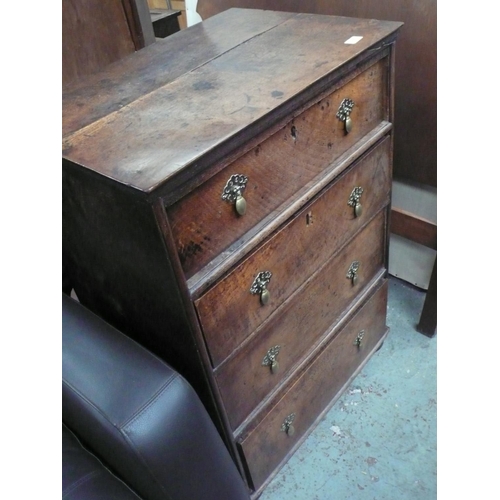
[[203, 224]]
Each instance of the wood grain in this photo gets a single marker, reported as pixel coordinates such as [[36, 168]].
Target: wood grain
[[274, 220], [204, 225], [149, 141], [94, 34], [229, 313], [313, 390], [414, 228], [304, 318], [119, 84]]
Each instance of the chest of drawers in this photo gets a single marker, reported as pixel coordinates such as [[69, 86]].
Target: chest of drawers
[[226, 195]]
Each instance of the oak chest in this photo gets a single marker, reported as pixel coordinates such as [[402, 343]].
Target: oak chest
[[226, 194]]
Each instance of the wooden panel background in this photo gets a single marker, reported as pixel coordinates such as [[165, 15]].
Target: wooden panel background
[[97, 33], [415, 147]]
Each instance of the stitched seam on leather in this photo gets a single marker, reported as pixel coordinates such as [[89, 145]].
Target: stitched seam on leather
[[81, 481], [151, 402], [173, 376]]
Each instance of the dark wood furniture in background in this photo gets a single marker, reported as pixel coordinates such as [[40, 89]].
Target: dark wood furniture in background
[[96, 33], [176, 5], [226, 198], [428, 318], [165, 22]]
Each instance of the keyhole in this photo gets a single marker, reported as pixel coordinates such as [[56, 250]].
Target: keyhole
[[309, 218], [293, 131]]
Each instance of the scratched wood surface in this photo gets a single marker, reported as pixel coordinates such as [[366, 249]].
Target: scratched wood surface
[[298, 325], [314, 389], [125, 81], [144, 143], [203, 224], [229, 313]]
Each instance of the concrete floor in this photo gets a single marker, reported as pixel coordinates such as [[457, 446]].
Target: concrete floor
[[378, 442]]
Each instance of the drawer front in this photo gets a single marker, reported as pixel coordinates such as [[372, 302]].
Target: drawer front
[[267, 445], [243, 379], [203, 224], [229, 312]]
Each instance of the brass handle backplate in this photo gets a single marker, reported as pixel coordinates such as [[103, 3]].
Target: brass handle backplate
[[352, 272], [270, 358], [287, 426], [359, 338], [344, 114], [259, 286], [233, 190], [355, 201]]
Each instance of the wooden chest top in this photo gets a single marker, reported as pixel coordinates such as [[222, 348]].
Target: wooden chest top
[[162, 115]]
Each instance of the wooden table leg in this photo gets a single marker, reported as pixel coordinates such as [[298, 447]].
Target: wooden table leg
[[428, 317]]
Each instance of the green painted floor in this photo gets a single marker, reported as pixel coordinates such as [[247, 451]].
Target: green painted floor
[[378, 442]]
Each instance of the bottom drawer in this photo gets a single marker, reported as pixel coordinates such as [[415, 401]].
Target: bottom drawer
[[266, 445]]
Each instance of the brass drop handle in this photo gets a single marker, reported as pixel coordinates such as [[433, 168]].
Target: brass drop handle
[[359, 338], [259, 286], [270, 359], [355, 201], [233, 190], [344, 114], [287, 426], [240, 204], [352, 272]]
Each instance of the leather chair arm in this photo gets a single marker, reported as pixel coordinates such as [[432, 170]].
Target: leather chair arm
[[139, 416], [84, 477]]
